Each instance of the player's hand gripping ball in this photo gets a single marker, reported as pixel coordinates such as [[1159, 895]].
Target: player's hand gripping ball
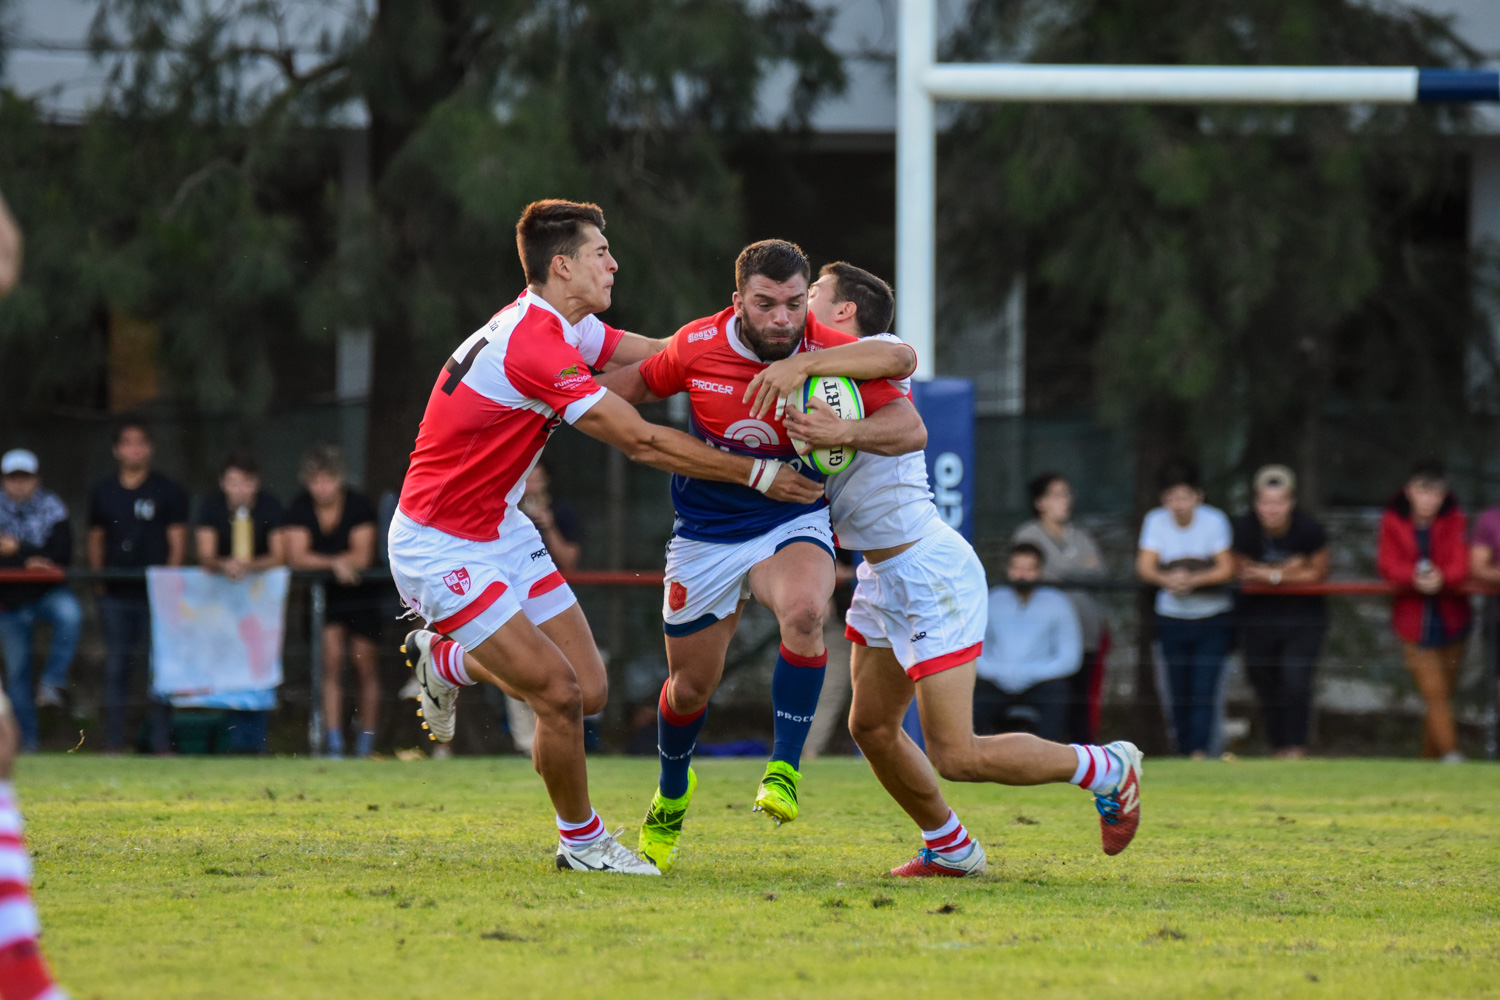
[[841, 395]]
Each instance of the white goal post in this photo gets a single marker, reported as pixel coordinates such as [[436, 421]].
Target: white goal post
[[921, 81]]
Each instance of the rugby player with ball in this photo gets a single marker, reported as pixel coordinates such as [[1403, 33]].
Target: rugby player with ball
[[917, 622], [730, 541]]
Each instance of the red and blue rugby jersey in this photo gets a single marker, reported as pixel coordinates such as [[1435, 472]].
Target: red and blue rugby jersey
[[708, 360]]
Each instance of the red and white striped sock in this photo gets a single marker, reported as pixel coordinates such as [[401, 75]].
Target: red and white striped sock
[[949, 841], [23, 971], [577, 835], [448, 663], [1098, 769]]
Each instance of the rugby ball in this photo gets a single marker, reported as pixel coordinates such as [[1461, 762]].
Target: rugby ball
[[842, 395]]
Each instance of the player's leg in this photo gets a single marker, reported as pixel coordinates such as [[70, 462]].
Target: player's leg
[[334, 635], [795, 584], [23, 971], [882, 692], [570, 632], [529, 665], [695, 663], [1112, 773], [366, 659]]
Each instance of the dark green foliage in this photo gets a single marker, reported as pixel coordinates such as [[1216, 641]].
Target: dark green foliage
[[1218, 276]]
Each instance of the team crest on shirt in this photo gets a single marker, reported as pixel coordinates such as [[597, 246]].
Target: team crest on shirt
[[676, 596], [458, 581], [570, 370]]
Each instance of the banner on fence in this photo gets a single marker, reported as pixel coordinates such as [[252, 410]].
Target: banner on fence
[[215, 642], [947, 408]]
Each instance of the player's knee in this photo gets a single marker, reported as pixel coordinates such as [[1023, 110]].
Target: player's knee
[[870, 731], [594, 696], [561, 698], [689, 694], [803, 619]]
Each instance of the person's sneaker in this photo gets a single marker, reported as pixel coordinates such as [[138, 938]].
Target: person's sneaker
[[48, 696], [1120, 807], [603, 855], [410, 691], [662, 826], [439, 699], [777, 795], [929, 864], [1453, 757]]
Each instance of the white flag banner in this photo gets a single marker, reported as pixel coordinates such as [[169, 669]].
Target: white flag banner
[[216, 642]]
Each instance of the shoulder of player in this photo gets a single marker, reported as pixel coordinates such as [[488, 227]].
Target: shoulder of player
[[703, 336], [818, 337]]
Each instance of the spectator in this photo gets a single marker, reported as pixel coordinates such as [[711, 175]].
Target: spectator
[[1033, 645], [1070, 553], [331, 527], [1184, 550], [137, 518], [1423, 551], [1281, 635], [263, 544], [1484, 558], [34, 534]]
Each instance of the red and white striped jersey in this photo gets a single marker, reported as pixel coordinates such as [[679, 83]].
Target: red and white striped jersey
[[495, 403]]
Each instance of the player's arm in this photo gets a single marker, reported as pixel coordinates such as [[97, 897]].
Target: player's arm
[[10, 250], [615, 422], [628, 383], [894, 429], [868, 359], [631, 350]]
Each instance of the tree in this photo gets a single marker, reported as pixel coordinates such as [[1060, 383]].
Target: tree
[[1220, 274], [207, 195]]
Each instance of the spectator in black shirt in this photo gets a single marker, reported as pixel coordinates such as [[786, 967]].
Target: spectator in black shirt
[[239, 490], [137, 518], [34, 534], [1278, 543], [331, 527]]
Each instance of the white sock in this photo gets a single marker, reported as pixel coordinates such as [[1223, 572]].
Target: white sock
[[448, 664], [950, 841], [577, 835], [1098, 769]]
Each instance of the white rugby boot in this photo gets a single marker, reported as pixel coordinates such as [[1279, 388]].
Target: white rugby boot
[[439, 698], [603, 855]]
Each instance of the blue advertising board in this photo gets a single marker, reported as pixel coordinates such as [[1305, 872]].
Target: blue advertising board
[[947, 407]]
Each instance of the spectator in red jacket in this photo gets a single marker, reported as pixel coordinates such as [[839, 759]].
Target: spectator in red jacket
[[1424, 552]]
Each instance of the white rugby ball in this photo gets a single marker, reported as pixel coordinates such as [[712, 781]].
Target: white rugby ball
[[842, 395]]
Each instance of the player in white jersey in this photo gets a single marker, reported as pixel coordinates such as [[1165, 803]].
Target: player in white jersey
[[473, 566], [917, 622]]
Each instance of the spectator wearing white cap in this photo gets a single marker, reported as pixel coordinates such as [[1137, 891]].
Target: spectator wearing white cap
[[34, 534], [1279, 544]]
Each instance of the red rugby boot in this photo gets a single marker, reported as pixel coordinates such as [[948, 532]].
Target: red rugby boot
[[1120, 808], [930, 864]]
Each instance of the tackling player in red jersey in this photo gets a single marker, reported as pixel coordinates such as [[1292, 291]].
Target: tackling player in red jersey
[[472, 565], [729, 542], [917, 622]]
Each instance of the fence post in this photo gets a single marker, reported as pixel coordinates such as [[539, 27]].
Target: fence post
[[317, 607]]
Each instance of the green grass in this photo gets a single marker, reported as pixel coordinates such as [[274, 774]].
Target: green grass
[[296, 878]]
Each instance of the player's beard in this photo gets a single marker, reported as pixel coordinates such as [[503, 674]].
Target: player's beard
[[759, 340]]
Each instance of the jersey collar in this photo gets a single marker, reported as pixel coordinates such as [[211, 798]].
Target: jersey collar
[[570, 332]]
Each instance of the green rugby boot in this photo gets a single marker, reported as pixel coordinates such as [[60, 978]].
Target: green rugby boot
[[663, 825], [777, 796]]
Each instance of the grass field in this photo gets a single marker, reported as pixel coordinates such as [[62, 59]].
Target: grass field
[[299, 878]]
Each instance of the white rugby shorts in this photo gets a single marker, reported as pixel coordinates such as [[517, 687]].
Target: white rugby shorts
[[706, 581], [929, 605], [465, 589]]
